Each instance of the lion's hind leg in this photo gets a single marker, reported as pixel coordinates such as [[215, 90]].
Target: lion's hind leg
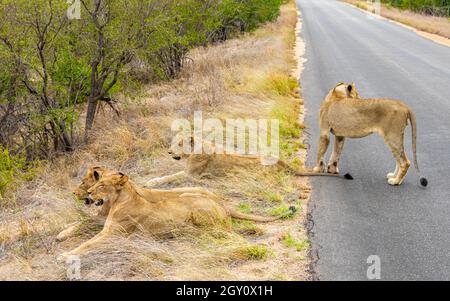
[[395, 143], [336, 155], [324, 141], [393, 174], [402, 171]]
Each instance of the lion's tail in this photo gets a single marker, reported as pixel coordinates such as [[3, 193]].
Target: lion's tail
[[311, 173], [262, 219], [412, 120]]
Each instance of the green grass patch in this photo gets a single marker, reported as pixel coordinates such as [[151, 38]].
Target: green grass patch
[[287, 113], [247, 228], [244, 208], [281, 210], [296, 163], [272, 196], [281, 84], [254, 252], [299, 244]]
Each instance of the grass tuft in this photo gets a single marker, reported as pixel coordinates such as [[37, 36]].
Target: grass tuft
[[298, 244], [282, 210], [255, 252]]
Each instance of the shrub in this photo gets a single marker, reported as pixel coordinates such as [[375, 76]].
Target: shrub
[[47, 76], [13, 168], [429, 7]]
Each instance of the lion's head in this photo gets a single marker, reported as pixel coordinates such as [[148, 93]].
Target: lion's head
[[181, 146], [93, 175], [341, 91], [108, 188]]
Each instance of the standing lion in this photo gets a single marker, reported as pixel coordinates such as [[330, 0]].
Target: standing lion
[[344, 114]]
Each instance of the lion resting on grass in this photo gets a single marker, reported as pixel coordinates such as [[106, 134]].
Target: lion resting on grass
[[344, 114], [130, 211], [218, 163], [94, 174]]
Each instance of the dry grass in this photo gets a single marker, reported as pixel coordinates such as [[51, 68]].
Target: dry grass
[[245, 77], [430, 24]]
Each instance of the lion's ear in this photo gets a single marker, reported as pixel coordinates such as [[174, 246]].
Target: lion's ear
[[339, 84], [96, 175], [123, 178]]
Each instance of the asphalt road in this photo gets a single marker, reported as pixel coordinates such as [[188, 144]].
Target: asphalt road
[[407, 227]]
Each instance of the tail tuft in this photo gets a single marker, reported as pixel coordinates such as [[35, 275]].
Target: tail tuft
[[348, 176], [292, 209], [423, 182]]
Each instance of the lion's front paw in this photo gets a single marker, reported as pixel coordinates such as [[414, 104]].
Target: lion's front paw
[[390, 175], [67, 258], [65, 234], [62, 258], [393, 182]]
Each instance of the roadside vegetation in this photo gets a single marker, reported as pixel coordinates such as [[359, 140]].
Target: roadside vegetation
[[425, 15], [241, 69], [58, 73], [438, 8]]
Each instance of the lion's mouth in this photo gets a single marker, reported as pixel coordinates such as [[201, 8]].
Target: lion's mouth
[[99, 202], [88, 201], [177, 158]]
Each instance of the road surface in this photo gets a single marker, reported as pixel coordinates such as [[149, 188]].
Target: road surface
[[407, 227]]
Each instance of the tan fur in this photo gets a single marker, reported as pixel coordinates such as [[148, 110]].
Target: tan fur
[[212, 163], [130, 211], [344, 114], [152, 195]]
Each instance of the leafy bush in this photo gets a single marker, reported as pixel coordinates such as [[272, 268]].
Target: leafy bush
[[52, 66], [13, 168], [429, 7], [243, 15], [192, 23]]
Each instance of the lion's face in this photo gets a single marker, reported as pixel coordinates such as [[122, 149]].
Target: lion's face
[[107, 189], [93, 175], [343, 90], [176, 148]]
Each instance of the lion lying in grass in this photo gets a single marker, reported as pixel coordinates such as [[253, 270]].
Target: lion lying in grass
[[130, 211], [94, 174], [215, 163], [344, 114]]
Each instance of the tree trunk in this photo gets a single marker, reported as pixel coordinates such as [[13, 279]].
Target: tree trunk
[[90, 116], [65, 139]]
